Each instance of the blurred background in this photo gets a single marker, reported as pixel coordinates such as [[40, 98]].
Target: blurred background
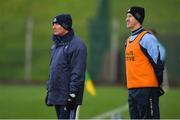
[[25, 41]]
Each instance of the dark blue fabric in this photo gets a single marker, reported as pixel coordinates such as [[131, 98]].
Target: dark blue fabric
[[61, 40], [67, 69], [62, 113], [139, 30], [144, 103]]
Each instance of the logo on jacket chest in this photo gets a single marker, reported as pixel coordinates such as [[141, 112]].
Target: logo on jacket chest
[[130, 56]]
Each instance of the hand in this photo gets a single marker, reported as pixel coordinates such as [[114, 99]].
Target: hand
[[160, 91], [71, 102]]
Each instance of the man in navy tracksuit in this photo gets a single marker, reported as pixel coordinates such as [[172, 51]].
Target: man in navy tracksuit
[[67, 69]]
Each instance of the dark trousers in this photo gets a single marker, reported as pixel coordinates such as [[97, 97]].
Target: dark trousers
[[63, 113], [144, 103]]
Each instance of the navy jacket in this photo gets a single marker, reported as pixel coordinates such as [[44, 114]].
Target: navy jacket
[[67, 69]]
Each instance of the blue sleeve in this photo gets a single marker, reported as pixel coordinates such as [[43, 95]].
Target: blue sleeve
[[162, 52], [155, 53], [153, 47]]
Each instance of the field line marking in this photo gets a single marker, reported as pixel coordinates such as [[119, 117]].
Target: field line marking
[[109, 113]]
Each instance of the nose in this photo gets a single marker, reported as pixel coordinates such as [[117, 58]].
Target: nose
[[127, 19], [53, 26]]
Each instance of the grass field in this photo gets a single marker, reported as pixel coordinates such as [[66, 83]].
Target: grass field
[[17, 101]]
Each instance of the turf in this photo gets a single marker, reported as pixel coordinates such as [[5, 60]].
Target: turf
[[27, 101]]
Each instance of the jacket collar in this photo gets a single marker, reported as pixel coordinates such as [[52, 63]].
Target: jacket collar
[[62, 40], [137, 31]]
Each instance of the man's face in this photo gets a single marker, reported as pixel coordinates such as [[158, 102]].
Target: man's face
[[58, 29], [131, 22]]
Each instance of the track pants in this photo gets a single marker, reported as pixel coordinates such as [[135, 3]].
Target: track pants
[[143, 103], [62, 113]]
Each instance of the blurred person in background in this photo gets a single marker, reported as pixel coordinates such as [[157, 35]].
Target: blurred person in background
[[144, 68], [65, 85]]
